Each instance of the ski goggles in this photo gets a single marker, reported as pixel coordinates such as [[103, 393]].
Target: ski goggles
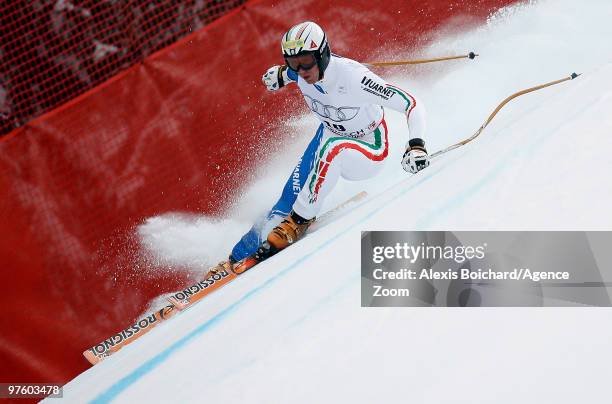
[[305, 61]]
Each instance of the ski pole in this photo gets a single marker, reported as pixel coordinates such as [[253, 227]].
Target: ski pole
[[499, 107], [470, 55]]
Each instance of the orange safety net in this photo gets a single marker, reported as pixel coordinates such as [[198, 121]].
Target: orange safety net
[[53, 50]]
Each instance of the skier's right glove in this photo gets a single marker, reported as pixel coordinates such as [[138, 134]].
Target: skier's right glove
[[415, 158], [276, 77]]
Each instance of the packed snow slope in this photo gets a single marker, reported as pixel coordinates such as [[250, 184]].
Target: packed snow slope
[[292, 329]]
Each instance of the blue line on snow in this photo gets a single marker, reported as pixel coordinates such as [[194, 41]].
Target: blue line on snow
[[122, 384], [330, 297]]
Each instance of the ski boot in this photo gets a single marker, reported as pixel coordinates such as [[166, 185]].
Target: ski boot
[[290, 230]]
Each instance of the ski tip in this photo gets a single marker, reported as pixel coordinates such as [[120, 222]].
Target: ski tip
[[92, 358]]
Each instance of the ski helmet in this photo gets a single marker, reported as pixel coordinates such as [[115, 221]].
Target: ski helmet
[[306, 38]]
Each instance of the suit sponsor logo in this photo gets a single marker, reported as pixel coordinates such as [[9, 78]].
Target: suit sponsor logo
[[357, 134], [336, 114], [380, 90], [295, 178]]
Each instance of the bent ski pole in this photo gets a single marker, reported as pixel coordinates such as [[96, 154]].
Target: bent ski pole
[[499, 107], [470, 55]]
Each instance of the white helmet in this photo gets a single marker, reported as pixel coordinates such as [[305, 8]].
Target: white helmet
[[306, 38]]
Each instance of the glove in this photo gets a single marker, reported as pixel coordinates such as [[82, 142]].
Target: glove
[[276, 77], [415, 158]]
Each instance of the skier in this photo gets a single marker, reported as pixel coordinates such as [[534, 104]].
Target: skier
[[351, 141]]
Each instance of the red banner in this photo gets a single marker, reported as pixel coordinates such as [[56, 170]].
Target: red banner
[[174, 133]]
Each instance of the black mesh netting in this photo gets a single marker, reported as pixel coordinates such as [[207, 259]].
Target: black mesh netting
[[53, 50]]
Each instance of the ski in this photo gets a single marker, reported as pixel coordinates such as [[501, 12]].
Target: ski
[[185, 298], [104, 349], [226, 273]]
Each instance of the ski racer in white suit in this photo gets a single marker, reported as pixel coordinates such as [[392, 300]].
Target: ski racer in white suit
[[351, 141]]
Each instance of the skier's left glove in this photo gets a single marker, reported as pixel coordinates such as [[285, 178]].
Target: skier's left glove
[[415, 158]]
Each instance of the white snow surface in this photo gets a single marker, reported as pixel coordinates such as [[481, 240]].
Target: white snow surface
[[292, 329]]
